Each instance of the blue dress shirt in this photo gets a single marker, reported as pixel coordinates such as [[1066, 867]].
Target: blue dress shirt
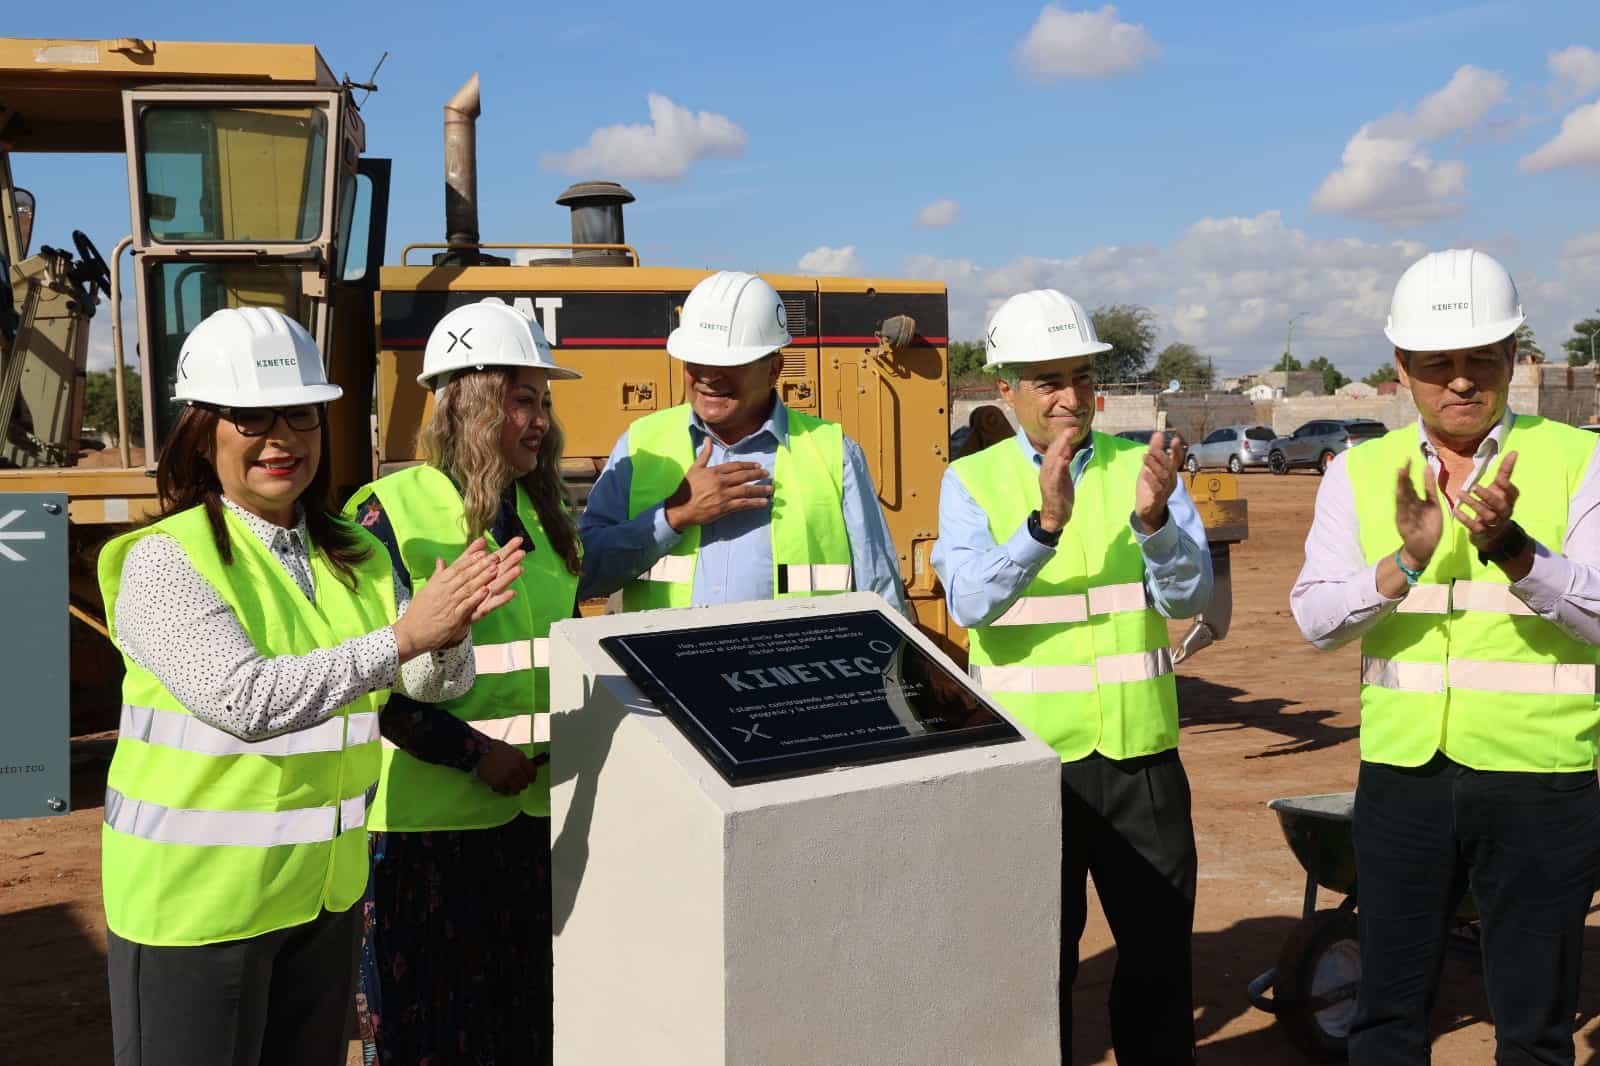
[[735, 559], [982, 579]]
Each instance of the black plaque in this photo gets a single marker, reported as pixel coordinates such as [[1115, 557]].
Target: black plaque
[[794, 696]]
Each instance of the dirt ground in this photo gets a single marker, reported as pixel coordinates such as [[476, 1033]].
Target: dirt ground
[[1264, 715]]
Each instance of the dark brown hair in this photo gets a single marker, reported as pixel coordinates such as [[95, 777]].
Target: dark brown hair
[[462, 438], [186, 477]]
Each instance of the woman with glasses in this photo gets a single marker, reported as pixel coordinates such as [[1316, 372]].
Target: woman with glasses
[[458, 965], [261, 635]]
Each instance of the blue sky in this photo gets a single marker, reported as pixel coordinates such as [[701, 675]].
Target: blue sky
[[1226, 167]]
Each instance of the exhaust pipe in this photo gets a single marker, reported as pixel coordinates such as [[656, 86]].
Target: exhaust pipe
[[461, 164], [597, 219]]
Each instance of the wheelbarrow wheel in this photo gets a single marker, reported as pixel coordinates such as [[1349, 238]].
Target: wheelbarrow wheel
[[1318, 975]]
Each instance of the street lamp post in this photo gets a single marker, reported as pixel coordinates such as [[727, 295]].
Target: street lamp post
[[1288, 343]]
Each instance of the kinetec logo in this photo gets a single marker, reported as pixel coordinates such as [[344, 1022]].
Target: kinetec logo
[[282, 361], [714, 326], [1460, 305], [1062, 327]]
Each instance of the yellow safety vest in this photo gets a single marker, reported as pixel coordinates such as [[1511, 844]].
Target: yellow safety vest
[[1081, 657], [1463, 666], [510, 700], [810, 548], [209, 838]]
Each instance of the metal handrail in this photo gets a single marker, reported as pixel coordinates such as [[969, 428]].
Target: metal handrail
[[536, 247], [124, 445]]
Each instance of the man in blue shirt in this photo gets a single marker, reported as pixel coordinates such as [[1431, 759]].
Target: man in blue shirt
[[1064, 551], [733, 326]]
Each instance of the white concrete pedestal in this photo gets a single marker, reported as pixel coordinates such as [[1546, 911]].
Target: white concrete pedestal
[[900, 912]]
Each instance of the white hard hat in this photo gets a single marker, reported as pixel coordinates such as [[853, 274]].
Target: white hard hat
[[730, 319], [251, 357], [483, 334], [1038, 326], [1460, 298]]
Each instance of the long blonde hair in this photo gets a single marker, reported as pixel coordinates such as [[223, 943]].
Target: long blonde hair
[[463, 440]]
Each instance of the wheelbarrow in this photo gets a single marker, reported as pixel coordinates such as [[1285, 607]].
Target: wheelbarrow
[[1312, 990]]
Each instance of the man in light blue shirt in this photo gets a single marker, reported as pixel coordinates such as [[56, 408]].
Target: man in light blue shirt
[[733, 327], [1063, 552]]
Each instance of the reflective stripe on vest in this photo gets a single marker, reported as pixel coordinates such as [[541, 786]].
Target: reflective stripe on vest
[[174, 729], [810, 545], [1462, 665], [1534, 679], [513, 656], [1463, 595], [1073, 607], [234, 829], [817, 577], [1107, 670]]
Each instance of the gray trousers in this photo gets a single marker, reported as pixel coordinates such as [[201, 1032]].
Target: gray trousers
[[278, 999]]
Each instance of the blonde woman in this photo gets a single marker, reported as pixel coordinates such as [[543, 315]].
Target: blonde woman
[[458, 958]]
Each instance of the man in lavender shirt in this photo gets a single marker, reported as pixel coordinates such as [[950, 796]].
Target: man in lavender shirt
[[1464, 553]]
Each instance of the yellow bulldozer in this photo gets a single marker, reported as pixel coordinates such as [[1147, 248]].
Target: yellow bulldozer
[[248, 184]]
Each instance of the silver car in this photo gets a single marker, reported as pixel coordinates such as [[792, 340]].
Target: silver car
[[1234, 447], [1316, 443]]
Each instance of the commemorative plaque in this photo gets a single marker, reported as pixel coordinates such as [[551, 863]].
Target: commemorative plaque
[[789, 696]]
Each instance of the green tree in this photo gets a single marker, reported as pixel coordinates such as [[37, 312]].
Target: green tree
[[1581, 348], [966, 358], [1528, 349], [100, 402], [1131, 331], [1288, 362], [1332, 379], [1385, 372], [1180, 362]]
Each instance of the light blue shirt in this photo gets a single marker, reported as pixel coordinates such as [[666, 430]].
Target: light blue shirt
[[982, 579], [734, 564]]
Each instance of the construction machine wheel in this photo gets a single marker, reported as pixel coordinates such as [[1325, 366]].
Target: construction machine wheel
[[1322, 462], [1316, 980], [1278, 463]]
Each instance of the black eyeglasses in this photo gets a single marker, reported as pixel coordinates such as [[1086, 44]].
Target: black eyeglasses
[[258, 421]]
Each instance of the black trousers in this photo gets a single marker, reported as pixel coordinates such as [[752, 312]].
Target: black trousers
[[1127, 823], [278, 999], [1528, 846]]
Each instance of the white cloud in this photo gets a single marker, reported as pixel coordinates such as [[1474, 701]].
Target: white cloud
[[1467, 97], [1083, 44], [660, 150], [1387, 177], [1580, 257], [938, 214], [1226, 285], [1577, 143], [1391, 181], [836, 262], [1576, 71]]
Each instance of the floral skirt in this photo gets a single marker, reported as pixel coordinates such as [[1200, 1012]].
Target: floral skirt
[[456, 968]]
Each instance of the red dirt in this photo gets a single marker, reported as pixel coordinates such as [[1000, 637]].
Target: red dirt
[[1264, 715]]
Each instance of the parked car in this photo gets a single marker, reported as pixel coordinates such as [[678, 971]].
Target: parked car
[[1316, 443], [1234, 447], [1143, 436]]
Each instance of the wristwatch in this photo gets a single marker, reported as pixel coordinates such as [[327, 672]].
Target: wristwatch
[[1510, 546], [1036, 531]]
